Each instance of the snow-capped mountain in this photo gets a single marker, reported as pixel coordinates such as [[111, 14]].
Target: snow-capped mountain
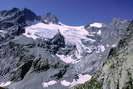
[[43, 53]]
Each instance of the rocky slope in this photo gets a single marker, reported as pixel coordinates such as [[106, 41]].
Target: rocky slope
[[117, 70], [40, 52]]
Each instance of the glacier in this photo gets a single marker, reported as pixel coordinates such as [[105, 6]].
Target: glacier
[[73, 36]]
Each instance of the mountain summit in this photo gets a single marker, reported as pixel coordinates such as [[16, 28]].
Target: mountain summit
[[40, 52], [50, 18]]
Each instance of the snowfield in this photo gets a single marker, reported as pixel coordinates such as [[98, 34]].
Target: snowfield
[[50, 83], [81, 80], [67, 59], [72, 34], [97, 25], [4, 84]]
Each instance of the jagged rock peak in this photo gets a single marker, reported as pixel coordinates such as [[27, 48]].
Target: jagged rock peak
[[27, 14], [50, 18], [8, 12]]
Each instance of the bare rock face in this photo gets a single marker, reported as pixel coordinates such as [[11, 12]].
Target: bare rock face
[[50, 18], [13, 21], [117, 71]]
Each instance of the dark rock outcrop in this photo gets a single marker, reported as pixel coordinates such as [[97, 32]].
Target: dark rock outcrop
[[13, 21], [2, 88], [50, 18]]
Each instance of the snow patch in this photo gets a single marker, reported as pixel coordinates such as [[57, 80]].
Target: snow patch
[[67, 59], [46, 84], [114, 45], [107, 45], [2, 31], [97, 25], [4, 84], [81, 80], [99, 32], [65, 83], [101, 48]]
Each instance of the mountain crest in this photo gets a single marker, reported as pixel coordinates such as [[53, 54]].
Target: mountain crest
[[50, 18]]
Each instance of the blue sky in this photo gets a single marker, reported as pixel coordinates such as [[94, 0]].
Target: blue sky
[[76, 12]]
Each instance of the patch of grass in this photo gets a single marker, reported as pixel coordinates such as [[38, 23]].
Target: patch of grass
[[129, 84], [93, 84], [2, 88]]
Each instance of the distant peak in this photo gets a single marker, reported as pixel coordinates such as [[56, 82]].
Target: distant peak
[[117, 21], [19, 16], [29, 14], [50, 18], [9, 12], [14, 9], [25, 10]]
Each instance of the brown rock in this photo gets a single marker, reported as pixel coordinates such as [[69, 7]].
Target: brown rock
[[2, 88]]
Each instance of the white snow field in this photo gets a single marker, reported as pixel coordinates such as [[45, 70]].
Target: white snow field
[[72, 35]]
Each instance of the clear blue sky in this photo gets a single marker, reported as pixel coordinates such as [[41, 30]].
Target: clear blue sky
[[76, 12]]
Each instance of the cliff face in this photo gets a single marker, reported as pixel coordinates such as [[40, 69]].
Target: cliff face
[[117, 71]]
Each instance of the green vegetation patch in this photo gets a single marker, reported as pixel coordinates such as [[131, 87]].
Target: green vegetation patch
[[93, 84]]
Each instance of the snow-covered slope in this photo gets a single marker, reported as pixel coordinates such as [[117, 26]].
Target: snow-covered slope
[[47, 31], [73, 36]]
